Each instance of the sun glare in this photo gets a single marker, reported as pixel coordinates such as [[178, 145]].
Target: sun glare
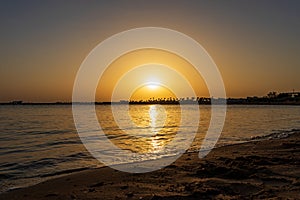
[[152, 90], [152, 86]]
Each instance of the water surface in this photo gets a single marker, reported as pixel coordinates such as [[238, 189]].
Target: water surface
[[39, 141]]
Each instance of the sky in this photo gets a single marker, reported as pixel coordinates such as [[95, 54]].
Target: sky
[[137, 70], [255, 44]]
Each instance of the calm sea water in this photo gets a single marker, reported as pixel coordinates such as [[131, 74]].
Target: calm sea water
[[41, 142]]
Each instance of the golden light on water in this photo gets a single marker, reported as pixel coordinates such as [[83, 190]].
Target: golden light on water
[[157, 115], [156, 126]]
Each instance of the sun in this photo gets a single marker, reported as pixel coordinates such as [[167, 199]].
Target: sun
[[152, 90], [152, 86]]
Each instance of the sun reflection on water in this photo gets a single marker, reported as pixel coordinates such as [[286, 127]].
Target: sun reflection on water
[[157, 115], [152, 127]]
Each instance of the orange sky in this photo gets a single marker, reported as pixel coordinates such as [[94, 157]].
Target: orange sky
[[148, 68], [256, 44]]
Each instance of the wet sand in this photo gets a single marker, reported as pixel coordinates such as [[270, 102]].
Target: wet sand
[[267, 169]]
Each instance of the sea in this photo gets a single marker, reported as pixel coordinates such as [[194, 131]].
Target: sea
[[40, 142]]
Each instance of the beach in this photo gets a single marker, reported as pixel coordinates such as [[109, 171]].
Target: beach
[[258, 169], [149, 100]]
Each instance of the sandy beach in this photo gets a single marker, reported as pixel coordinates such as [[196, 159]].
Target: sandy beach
[[266, 169]]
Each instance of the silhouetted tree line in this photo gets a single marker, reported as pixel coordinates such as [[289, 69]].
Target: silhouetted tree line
[[271, 98]]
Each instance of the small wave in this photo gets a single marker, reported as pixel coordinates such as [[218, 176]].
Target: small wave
[[6, 176], [45, 162], [9, 183], [16, 151], [79, 155], [277, 135], [68, 171], [56, 143], [4, 165]]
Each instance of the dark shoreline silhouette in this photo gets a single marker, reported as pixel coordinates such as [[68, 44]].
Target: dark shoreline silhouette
[[272, 98]]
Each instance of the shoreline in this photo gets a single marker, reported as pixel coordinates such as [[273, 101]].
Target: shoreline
[[67, 172], [256, 169]]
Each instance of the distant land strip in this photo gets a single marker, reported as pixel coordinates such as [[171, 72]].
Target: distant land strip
[[272, 98]]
